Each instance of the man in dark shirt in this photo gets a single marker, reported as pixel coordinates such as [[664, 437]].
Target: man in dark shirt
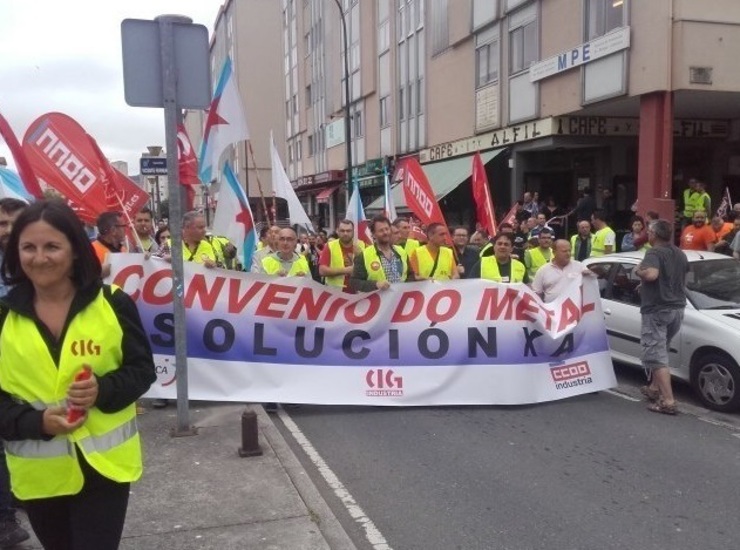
[[663, 296], [466, 256]]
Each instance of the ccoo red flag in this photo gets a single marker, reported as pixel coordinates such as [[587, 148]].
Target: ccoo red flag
[[187, 164], [418, 192], [26, 173], [482, 195]]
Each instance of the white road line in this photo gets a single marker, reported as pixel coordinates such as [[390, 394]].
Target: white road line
[[372, 533], [622, 395]]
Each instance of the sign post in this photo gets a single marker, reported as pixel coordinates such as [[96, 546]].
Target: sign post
[[166, 64]]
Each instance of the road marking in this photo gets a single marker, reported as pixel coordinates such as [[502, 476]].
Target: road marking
[[622, 395], [372, 533]]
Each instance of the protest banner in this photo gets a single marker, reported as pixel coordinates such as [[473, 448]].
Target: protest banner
[[259, 338]]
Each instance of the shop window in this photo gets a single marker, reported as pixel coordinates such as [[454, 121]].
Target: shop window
[[603, 16]]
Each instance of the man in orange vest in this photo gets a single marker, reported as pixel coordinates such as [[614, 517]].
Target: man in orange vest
[[111, 237]]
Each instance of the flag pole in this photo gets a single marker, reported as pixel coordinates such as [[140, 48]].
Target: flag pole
[[259, 182]]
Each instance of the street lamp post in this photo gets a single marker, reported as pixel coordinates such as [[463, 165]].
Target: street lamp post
[[347, 122]]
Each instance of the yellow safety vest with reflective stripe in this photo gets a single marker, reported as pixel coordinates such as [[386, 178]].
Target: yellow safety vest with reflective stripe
[[336, 261], [410, 245], [598, 243], [272, 266], [688, 202], [109, 442], [697, 203], [204, 249], [375, 269], [574, 240], [537, 260], [489, 270], [445, 263]]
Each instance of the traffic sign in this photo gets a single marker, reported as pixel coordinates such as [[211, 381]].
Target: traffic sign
[[153, 166]]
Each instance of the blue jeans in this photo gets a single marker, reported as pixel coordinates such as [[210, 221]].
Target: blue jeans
[[6, 499]]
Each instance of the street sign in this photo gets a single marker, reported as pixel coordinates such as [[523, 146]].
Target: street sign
[[153, 166], [142, 64]]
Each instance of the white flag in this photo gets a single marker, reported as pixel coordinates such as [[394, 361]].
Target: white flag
[[233, 218], [283, 189]]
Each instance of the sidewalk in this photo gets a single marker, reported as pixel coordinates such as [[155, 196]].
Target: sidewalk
[[197, 493]]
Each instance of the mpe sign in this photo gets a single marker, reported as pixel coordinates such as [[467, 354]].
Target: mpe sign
[[153, 166], [617, 40]]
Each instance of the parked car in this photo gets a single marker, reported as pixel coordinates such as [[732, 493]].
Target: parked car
[[706, 352]]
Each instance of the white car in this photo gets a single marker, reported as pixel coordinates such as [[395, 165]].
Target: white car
[[706, 352]]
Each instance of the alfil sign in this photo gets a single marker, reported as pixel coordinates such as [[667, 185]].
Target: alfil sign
[[615, 41]]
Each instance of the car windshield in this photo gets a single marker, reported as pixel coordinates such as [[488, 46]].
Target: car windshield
[[714, 284]]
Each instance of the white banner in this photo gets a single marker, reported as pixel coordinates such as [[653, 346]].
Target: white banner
[[259, 339]]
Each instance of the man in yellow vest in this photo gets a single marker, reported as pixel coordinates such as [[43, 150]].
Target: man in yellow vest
[[701, 199], [536, 257], [500, 266], [689, 205], [286, 262], [434, 260], [338, 256], [382, 264], [270, 247], [580, 243], [404, 241], [195, 246], [604, 241]]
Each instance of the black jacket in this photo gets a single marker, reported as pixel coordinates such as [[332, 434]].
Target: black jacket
[[116, 389]]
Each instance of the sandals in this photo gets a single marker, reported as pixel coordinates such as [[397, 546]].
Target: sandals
[[650, 394], [662, 408]]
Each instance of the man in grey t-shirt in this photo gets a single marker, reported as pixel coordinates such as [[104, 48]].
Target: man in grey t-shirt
[[663, 296]]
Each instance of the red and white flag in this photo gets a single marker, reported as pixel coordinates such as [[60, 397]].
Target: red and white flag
[[356, 213], [482, 195], [418, 192], [187, 164]]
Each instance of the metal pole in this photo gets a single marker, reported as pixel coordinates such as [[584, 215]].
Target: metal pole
[[158, 196], [171, 110], [347, 98]]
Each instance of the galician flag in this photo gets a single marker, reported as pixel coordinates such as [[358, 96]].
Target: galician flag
[[356, 213], [233, 218], [282, 187], [225, 125], [12, 187]]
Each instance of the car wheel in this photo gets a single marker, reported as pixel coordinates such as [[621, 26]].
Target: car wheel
[[716, 379]]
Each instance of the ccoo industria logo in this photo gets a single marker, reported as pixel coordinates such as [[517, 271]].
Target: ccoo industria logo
[[572, 375], [383, 383]]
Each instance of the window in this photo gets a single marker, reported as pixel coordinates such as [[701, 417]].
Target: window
[[487, 57], [440, 29], [290, 153], [624, 288], [419, 96], [310, 146], [357, 124], [484, 11], [384, 112], [602, 276], [523, 45], [309, 96], [294, 104], [402, 104], [299, 149], [603, 16], [307, 43]]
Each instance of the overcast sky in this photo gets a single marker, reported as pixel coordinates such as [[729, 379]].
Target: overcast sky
[[65, 56]]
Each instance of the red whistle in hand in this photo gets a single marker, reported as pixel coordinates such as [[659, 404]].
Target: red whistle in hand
[[75, 413]]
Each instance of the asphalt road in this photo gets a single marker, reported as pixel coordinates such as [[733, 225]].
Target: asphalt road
[[592, 472]]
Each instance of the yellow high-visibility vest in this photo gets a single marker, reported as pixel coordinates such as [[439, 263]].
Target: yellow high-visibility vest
[[537, 260], [598, 243], [336, 261], [445, 263], [109, 442], [272, 266], [489, 270], [375, 269]]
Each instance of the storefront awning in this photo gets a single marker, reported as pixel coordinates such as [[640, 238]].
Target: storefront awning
[[444, 177], [327, 192]]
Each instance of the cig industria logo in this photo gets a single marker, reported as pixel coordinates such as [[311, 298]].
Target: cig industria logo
[[383, 383]]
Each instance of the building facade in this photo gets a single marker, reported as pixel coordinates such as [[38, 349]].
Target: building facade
[[563, 95], [249, 32]]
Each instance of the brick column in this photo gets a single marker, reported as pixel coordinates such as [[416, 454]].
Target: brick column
[[655, 164]]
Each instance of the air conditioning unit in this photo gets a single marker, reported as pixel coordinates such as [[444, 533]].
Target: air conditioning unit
[[700, 75]]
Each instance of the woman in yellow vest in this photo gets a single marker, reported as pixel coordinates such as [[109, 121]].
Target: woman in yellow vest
[[501, 267], [72, 443]]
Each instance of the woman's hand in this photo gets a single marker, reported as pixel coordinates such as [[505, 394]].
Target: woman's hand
[[83, 393], [55, 421]]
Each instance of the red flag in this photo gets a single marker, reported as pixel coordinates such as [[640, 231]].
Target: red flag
[[69, 160], [187, 164], [511, 216], [482, 196], [28, 177], [418, 193]]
